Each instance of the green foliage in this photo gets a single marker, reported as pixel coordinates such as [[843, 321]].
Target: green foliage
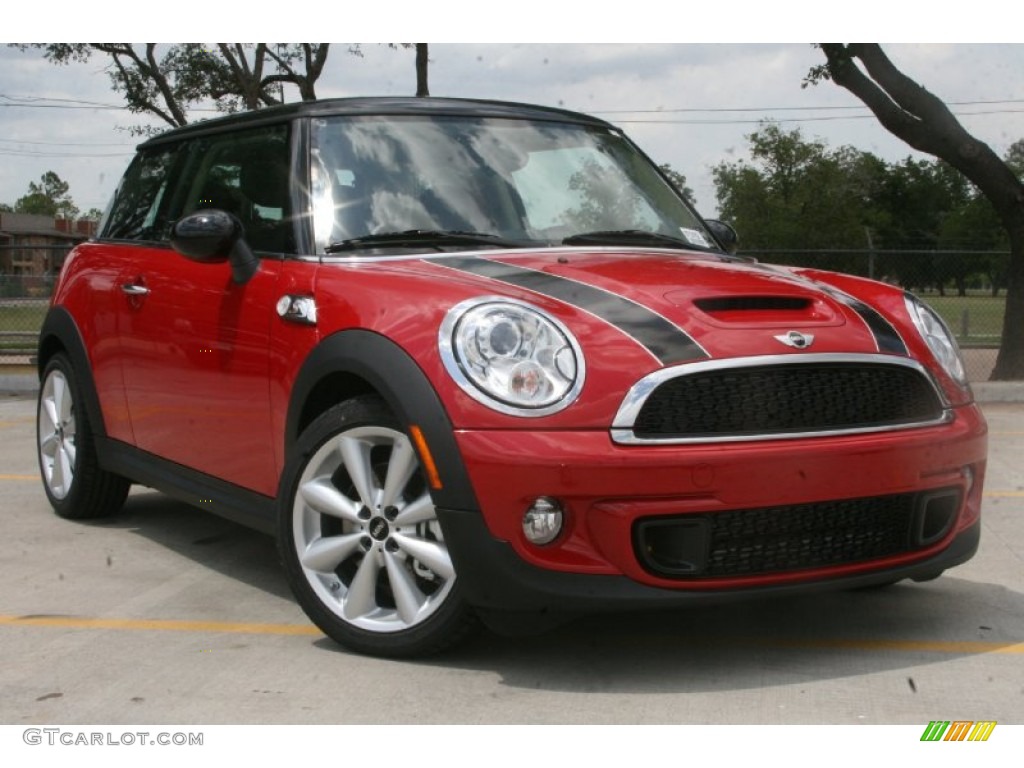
[[1015, 157], [797, 193], [678, 180], [49, 197]]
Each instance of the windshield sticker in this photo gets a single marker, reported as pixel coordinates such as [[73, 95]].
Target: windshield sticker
[[695, 237]]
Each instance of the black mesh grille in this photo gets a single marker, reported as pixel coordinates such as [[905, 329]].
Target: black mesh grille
[[789, 538], [787, 398]]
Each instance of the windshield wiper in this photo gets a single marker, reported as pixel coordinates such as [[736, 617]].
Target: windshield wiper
[[634, 237], [413, 238]]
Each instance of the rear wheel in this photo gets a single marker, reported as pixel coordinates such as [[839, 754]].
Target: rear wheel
[[75, 484], [360, 538]]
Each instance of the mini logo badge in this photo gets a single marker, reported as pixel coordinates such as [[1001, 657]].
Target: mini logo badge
[[796, 339]]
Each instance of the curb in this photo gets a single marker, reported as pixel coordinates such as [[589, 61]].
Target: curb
[[999, 391], [18, 384]]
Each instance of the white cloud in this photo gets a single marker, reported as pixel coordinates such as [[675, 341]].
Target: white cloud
[[604, 79]]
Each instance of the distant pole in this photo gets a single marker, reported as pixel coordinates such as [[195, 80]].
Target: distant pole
[[871, 254], [421, 70]]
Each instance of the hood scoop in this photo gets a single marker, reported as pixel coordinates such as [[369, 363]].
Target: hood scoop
[[766, 309]]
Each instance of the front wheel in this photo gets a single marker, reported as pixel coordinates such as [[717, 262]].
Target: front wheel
[[360, 538]]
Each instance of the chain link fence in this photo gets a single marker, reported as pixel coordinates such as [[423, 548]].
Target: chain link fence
[[27, 276], [965, 287]]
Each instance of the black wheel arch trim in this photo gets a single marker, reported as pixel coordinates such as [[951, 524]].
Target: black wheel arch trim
[[396, 377], [60, 327]]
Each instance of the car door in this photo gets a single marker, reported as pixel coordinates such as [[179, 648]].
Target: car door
[[194, 343]]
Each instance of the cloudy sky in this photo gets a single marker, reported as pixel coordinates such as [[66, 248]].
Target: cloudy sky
[[688, 104]]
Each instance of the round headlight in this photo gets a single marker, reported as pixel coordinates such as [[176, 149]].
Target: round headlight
[[511, 356], [938, 337]]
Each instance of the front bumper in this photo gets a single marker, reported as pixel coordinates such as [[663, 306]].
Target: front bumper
[[610, 492], [495, 578]]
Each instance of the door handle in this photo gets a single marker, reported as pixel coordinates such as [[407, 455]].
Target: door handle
[[133, 289]]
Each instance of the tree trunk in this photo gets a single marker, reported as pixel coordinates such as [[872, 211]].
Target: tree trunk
[[910, 112], [1010, 361], [422, 61]]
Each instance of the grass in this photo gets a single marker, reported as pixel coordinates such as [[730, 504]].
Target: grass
[[19, 325], [22, 317], [976, 319]]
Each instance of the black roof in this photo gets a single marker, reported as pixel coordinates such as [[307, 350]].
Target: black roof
[[384, 105]]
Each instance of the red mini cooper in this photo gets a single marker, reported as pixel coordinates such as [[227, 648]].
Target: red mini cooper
[[473, 360]]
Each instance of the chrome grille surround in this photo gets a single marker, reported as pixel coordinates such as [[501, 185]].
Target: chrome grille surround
[[623, 426]]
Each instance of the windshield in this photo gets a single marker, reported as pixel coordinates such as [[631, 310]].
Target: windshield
[[529, 181]]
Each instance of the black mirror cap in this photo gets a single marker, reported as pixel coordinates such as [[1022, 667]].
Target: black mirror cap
[[724, 234], [210, 236], [206, 236]]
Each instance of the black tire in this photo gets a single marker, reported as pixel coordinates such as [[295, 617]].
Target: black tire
[[76, 486], [366, 557]]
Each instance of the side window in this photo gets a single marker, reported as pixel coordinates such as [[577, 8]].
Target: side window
[[246, 174], [139, 208]]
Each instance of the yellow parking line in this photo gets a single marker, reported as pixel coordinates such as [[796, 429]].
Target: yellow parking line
[[19, 477], [165, 625], [931, 646]]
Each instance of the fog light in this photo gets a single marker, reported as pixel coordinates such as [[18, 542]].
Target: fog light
[[542, 522]]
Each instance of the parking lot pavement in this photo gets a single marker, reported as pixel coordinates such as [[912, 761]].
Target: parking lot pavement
[[167, 614]]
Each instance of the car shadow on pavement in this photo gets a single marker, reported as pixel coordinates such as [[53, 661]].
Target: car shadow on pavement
[[774, 642], [224, 546], [735, 646]]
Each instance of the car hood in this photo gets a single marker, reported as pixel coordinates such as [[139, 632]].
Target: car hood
[[687, 307]]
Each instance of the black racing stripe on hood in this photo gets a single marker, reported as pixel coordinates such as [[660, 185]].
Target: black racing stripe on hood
[[665, 341], [886, 336]]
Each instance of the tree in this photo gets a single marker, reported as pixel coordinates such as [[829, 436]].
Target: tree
[[678, 180], [1015, 157], [422, 61], [910, 112], [165, 81], [48, 198], [799, 194], [913, 203]]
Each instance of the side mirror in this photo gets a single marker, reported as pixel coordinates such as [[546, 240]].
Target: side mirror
[[724, 234], [212, 236]]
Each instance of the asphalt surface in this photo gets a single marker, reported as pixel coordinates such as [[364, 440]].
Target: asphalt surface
[[167, 614]]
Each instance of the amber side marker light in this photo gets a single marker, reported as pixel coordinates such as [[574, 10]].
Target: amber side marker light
[[433, 478]]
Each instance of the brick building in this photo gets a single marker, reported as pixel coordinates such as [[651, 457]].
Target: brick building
[[32, 248]]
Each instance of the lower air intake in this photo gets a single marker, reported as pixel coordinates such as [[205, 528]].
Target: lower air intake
[[791, 538]]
